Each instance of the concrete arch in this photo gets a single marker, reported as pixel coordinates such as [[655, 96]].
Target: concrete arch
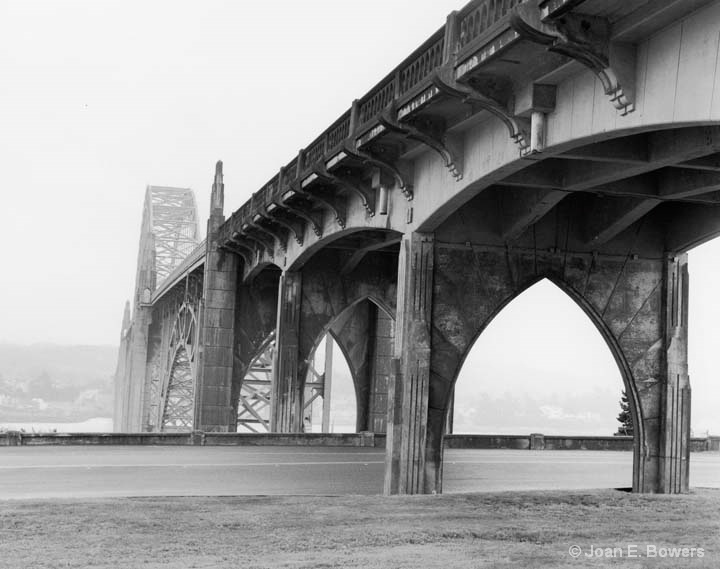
[[310, 250], [257, 269], [327, 293], [363, 332], [434, 216], [623, 297], [610, 341]]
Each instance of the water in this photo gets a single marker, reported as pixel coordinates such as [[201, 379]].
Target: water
[[94, 425]]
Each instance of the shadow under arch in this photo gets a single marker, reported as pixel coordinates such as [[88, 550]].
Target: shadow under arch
[[639, 441], [356, 232], [359, 330], [256, 269], [439, 215]]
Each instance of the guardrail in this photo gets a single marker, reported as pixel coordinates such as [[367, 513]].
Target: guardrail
[[464, 31], [535, 441]]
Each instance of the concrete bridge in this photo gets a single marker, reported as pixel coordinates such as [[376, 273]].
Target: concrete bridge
[[570, 140]]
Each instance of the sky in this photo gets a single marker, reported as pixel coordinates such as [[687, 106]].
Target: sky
[[100, 99]]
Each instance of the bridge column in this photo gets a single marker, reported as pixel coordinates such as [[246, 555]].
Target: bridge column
[[213, 404], [286, 415], [674, 460], [405, 459]]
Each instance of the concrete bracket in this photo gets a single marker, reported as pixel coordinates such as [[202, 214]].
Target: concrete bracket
[[233, 248], [273, 233], [263, 234], [430, 132], [239, 245], [326, 200], [238, 235], [346, 182], [402, 178], [585, 39], [308, 216], [518, 127], [274, 216]]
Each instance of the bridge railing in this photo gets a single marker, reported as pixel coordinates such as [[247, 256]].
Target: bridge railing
[[463, 33], [194, 257]]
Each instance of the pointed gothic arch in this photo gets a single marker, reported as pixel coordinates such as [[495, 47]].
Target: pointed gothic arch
[[600, 326], [362, 332]]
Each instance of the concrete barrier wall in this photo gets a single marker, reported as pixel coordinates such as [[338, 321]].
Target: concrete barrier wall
[[487, 441], [61, 439], [196, 438], [282, 439], [535, 441]]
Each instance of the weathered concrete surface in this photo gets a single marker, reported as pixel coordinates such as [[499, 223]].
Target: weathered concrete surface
[[311, 302], [408, 411], [625, 296], [365, 335], [213, 406], [286, 404]]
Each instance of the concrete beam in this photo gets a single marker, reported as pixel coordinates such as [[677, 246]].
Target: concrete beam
[[611, 216], [684, 183], [519, 209], [664, 148], [710, 163], [691, 225], [360, 254], [627, 150]]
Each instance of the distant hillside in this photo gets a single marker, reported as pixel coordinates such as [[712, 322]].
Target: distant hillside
[[48, 382]]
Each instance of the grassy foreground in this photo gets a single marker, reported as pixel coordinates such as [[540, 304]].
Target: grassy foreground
[[512, 529]]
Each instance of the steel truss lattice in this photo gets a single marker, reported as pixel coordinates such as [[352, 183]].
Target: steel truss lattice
[[179, 394], [256, 391], [169, 229]]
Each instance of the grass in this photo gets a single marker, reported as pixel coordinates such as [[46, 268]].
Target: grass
[[510, 529]]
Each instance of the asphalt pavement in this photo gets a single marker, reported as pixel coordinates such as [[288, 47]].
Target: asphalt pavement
[[107, 471]]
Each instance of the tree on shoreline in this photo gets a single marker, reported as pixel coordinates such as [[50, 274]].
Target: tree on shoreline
[[625, 417]]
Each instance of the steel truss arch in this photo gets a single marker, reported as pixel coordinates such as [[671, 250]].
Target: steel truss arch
[[177, 397]]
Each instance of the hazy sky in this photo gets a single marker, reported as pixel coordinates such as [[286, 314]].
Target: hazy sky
[[100, 99]]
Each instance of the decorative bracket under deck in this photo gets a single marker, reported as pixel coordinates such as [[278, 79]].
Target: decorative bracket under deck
[[518, 127], [255, 225], [243, 234], [428, 131], [314, 223], [374, 159], [346, 183], [246, 252], [282, 239], [272, 215], [325, 200], [586, 39]]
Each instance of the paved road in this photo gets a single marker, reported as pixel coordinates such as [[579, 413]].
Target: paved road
[[75, 471]]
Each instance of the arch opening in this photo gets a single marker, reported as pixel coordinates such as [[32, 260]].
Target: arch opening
[[543, 365], [329, 401], [347, 379], [703, 339]]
